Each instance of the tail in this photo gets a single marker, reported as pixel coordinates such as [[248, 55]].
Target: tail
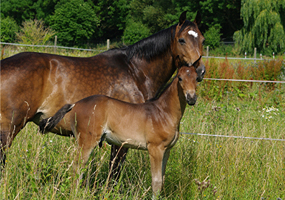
[[49, 123]]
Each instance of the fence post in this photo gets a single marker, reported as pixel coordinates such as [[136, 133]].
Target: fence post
[[108, 44], [255, 55], [207, 52], [55, 41]]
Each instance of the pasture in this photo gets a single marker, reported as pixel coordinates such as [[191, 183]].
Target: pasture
[[39, 166]]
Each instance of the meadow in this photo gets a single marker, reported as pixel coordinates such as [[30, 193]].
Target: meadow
[[200, 167]]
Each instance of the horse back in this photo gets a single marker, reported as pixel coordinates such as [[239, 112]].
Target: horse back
[[36, 85]]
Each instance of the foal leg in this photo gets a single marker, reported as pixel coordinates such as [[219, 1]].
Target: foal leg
[[86, 143], [156, 154], [117, 158], [164, 162]]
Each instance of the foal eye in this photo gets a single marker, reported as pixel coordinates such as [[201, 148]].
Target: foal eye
[[203, 43], [181, 41], [179, 78]]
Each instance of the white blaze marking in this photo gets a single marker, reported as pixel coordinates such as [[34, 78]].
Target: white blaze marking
[[193, 33]]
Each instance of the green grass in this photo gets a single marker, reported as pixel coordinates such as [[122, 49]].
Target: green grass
[[39, 166]]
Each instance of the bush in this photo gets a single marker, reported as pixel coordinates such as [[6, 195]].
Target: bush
[[34, 32], [212, 36], [9, 28], [134, 32]]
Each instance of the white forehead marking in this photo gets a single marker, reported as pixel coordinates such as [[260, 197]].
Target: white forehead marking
[[187, 70], [193, 33]]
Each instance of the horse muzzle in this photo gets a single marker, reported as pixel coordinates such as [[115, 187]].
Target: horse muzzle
[[191, 99], [201, 70]]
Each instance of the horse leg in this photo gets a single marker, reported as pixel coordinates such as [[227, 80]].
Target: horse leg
[[156, 155], [164, 162], [118, 156], [3, 145], [7, 135]]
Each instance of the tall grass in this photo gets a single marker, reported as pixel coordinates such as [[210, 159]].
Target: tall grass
[[40, 166]]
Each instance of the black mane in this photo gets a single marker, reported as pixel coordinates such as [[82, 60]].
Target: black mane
[[155, 44]]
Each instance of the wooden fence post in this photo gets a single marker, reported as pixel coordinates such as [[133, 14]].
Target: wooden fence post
[[55, 42], [255, 55], [108, 44], [207, 52]]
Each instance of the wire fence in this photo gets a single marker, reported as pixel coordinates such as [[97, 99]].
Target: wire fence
[[233, 136], [49, 46]]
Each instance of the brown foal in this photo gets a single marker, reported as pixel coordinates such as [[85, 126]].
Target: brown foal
[[152, 126]]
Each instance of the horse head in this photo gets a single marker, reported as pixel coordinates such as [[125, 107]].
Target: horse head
[[187, 77], [187, 45]]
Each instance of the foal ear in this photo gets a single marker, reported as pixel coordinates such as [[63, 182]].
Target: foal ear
[[198, 18], [182, 18]]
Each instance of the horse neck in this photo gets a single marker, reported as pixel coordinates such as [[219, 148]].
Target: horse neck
[[154, 74], [154, 67], [173, 101]]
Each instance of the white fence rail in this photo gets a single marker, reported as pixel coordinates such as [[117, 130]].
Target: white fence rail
[[233, 136], [49, 46]]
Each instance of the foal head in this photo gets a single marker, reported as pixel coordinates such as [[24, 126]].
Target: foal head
[[187, 77], [188, 44]]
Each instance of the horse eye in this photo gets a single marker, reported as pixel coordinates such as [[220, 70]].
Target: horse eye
[[181, 41], [203, 43], [179, 78]]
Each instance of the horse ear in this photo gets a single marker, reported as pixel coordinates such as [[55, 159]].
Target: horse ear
[[198, 18], [182, 18]]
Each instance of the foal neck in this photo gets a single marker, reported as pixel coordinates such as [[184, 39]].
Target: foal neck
[[173, 99]]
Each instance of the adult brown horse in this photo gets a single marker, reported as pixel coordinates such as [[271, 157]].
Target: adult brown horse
[[152, 126], [35, 85]]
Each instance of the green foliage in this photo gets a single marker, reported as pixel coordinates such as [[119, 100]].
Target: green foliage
[[9, 28], [263, 26], [213, 36], [79, 21], [113, 17], [134, 32], [35, 33], [18, 10], [75, 21], [221, 12]]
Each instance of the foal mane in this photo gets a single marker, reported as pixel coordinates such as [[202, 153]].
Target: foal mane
[[163, 88]]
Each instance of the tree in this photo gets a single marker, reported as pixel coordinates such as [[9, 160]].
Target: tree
[[27, 9], [213, 36], [9, 28], [112, 15], [221, 13], [134, 32], [34, 32], [147, 17], [263, 28], [75, 21]]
